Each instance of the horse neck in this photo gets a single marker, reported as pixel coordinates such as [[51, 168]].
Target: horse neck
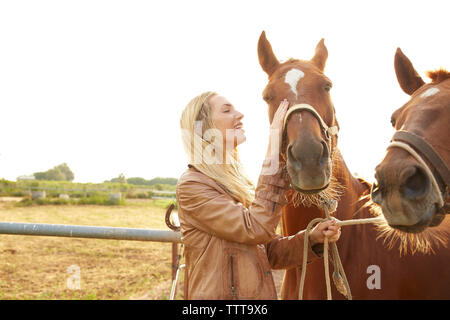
[[350, 201]]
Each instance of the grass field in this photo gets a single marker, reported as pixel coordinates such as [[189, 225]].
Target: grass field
[[34, 267]]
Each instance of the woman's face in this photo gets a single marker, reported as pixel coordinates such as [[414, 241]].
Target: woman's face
[[226, 118]]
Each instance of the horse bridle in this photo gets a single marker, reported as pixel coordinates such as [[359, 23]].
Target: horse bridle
[[328, 131], [411, 142]]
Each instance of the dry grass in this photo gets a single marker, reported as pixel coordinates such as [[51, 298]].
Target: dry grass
[[36, 267]]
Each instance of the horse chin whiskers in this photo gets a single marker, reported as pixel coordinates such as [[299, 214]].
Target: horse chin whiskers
[[333, 191], [309, 191], [424, 242]]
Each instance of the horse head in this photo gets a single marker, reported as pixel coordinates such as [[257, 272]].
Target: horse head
[[310, 126], [410, 189]]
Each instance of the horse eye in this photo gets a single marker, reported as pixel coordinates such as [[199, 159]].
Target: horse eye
[[327, 87], [267, 98]]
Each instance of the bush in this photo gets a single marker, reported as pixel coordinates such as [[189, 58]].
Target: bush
[[101, 200], [158, 180], [93, 200], [142, 195], [41, 202], [165, 204]]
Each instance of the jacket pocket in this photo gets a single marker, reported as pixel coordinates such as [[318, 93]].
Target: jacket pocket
[[242, 274]]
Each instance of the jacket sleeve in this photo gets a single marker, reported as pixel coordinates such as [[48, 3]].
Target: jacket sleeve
[[287, 252], [216, 213]]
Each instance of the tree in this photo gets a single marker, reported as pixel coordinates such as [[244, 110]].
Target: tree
[[120, 179], [64, 168], [61, 172], [137, 181], [55, 174]]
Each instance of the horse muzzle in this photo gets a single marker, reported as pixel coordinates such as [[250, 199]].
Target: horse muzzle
[[309, 168]]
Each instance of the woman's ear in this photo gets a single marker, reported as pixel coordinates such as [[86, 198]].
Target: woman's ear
[[267, 58], [407, 76]]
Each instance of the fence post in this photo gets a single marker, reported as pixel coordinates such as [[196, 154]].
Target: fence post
[[175, 260]]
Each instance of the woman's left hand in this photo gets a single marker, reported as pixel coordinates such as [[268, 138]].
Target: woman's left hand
[[325, 229]]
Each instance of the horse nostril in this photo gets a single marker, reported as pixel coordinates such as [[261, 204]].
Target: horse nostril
[[416, 183], [292, 159], [325, 154]]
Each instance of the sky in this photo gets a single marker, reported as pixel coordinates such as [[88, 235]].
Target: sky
[[101, 85]]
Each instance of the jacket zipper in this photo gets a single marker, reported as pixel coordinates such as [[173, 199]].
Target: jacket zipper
[[233, 288]]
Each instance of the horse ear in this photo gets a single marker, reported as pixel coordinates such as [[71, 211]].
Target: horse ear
[[267, 58], [407, 76], [320, 56]]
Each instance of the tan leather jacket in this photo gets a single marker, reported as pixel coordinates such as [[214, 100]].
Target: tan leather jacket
[[229, 249]]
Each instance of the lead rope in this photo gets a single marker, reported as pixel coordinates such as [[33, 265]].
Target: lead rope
[[339, 277]]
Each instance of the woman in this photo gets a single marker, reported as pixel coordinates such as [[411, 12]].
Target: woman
[[228, 227]]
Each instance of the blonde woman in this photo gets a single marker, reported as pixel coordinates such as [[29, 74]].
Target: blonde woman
[[227, 225]]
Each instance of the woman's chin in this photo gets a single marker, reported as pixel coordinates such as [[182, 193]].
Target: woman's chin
[[238, 139], [241, 139]]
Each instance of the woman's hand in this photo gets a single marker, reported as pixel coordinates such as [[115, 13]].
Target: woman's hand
[[278, 118], [276, 129], [271, 163], [325, 229]]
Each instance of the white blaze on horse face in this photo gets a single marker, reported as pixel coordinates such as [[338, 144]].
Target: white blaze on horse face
[[292, 78], [430, 92]]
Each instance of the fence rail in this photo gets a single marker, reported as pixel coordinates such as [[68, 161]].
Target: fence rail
[[100, 232], [76, 231], [93, 190]]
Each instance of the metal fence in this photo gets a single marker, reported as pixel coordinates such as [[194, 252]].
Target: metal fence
[[74, 231], [94, 232]]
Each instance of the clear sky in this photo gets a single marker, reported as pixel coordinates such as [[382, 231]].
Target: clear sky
[[101, 85]]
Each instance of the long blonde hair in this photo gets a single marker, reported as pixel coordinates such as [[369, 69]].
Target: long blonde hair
[[229, 174]]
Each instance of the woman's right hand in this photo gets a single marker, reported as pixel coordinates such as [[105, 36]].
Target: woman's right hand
[[276, 128], [278, 118], [275, 140]]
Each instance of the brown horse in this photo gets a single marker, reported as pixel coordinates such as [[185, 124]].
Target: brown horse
[[413, 191], [318, 172]]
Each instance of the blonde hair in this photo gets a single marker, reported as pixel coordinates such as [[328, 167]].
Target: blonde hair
[[229, 174]]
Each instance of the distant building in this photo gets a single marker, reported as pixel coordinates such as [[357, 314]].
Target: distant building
[[23, 178]]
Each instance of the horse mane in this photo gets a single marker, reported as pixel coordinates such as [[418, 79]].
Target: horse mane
[[292, 60], [437, 76]]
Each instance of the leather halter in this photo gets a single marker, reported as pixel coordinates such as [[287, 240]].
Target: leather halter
[[406, 140], [329, 131]]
